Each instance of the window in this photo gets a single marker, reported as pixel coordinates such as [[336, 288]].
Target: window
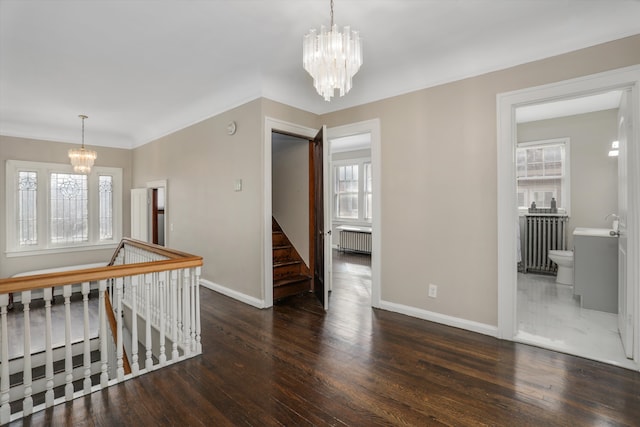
[[542, 173], [352, 190], [53, 208]]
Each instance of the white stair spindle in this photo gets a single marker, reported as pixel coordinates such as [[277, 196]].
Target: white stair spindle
[[102, 318], [186, 312], [119, 343], [27, 403], [48, 395], [197, 310], [162, 358], [87, 339], [192, 306], [148, 284], [5, 409], [135, 367], [68, 362], [174, 315]]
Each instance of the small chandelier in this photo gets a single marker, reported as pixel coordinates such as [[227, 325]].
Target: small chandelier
[[82, 159], [332, 58]]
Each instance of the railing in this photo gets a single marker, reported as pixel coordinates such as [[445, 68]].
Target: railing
[[154, 292]]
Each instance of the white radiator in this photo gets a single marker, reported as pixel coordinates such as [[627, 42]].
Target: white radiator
[[355, 239], [543, 233]]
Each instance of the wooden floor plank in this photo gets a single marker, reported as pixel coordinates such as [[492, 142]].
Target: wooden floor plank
[[296, 365]]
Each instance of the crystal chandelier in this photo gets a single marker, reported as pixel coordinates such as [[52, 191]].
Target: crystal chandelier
[[332, 58], [82, 159]]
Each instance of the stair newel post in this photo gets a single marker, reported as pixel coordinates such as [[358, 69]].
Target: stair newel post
[[48, 395], [135, 367], [68, 362], [174, 315], [196, 308], [27, 403], [186, 312], [5, 409], [102, 318], [87, 339], [148, 283], [119, 343], [162, 358]]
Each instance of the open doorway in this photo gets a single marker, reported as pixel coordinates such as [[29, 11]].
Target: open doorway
[[564, 164], [510, 134], [369, 126], [351, 207]]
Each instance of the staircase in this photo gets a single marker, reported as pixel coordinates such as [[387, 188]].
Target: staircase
[[290, 274]]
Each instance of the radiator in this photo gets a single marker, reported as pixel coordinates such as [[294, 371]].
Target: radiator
[[543, 233], [355, 239]]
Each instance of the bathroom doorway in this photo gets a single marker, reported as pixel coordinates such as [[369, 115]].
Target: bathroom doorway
[[538, 310]]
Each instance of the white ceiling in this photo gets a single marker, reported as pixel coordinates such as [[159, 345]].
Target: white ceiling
[[143, 69], [569, 107]]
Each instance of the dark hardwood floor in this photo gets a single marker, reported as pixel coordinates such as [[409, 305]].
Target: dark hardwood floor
[[296, 365]]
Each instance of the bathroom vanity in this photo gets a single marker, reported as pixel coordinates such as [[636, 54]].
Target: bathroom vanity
[[595, 269]]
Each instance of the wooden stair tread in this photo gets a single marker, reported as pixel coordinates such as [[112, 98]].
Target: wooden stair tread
[[281, 247], [288, 262], [289, 280]]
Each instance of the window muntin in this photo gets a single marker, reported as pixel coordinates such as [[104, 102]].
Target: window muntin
[[542, 174], [54, 209]]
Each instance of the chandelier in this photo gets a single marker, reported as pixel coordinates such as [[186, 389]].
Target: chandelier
[[332, 58], [82, 159]]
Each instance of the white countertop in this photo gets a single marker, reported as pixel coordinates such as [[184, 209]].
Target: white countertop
[[597, 232]]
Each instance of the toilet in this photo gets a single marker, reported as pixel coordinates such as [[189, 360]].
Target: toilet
[[564, 259]]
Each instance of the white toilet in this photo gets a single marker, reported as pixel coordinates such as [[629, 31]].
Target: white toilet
[[564, 259]]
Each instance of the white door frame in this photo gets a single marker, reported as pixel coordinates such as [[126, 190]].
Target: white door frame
[[270, 125], [624, 78], [372, 127]]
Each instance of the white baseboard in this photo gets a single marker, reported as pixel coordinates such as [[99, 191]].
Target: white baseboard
[[247, 299], [456, 322]]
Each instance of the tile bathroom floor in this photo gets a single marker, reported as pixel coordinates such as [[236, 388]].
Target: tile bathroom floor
[[549, 316]]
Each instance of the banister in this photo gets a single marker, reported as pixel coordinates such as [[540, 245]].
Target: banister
[[178, 260]]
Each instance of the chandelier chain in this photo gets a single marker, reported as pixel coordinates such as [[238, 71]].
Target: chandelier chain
[[331, 14]]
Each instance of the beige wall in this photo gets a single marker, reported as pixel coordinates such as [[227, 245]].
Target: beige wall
[[206, 216], [594, 175], [290, 190], [201, 164], [439, 172], [12, 148]]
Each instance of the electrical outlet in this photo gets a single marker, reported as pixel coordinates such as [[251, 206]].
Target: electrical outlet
[[433, 291]]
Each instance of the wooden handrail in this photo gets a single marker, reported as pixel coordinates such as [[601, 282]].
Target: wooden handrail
[[114, 331], [178, 260]]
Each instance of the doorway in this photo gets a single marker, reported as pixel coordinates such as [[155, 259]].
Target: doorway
[[370, 126], [351, 216], [627, 80], [564, 160]]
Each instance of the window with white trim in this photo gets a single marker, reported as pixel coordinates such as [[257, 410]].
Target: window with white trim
[[542, 173], [352, 190], [51, 208]]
